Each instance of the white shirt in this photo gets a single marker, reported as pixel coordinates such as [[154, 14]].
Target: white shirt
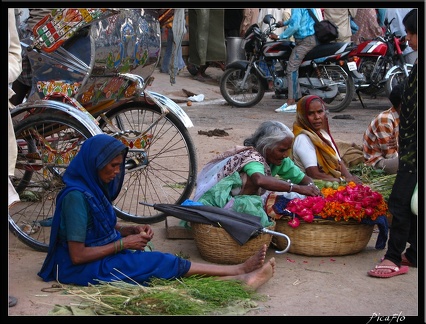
[[304, 155]]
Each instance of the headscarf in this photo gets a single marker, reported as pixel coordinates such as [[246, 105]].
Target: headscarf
[[327, 157], [95, 153]]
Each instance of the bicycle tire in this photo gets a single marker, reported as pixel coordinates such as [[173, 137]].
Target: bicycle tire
[[164, 172], [37, 178], [237, 96]]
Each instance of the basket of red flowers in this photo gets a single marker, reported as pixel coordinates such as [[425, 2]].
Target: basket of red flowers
[[330, 225]]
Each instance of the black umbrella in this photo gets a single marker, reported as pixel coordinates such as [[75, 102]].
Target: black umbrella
[[240, 226]]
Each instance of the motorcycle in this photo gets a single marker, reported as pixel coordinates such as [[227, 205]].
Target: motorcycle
[[244, 82], [380, 62]]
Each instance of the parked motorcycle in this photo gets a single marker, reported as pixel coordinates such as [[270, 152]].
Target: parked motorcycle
[[381, 63], [244, 82]]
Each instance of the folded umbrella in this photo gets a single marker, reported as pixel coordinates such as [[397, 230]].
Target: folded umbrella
[[240, 226]]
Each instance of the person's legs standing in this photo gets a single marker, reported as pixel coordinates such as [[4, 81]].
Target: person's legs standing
[[296, 57], [404, 223]]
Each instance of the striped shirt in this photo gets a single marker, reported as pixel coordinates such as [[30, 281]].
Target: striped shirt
[[377, 135]]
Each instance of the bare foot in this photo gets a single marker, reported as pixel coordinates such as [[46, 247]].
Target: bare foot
[[255, 261], [258, 277]]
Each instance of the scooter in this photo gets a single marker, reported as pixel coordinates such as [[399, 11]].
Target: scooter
[[244, 82]]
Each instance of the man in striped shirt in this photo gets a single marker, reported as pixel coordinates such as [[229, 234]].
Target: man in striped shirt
[[380, 141]]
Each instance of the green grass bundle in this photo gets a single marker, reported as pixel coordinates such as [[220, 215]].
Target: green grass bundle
[[376, 179], [186, 296]]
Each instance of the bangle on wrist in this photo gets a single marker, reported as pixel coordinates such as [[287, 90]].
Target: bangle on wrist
[[121, 245], [291, 185], [115, 247]]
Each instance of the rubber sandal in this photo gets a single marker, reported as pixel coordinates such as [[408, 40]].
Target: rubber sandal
[[405, 262], [395, 271]]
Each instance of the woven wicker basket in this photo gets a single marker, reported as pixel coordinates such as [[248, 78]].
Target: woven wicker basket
[[323, 237], [217, 246]]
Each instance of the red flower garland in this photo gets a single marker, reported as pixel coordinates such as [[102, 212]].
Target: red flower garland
[[347, 202]]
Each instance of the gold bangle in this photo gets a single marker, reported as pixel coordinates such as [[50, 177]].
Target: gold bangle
[[121, 245]]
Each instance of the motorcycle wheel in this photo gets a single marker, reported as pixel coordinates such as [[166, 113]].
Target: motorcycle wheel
[[396, 78], [238, 94], [346, 89]]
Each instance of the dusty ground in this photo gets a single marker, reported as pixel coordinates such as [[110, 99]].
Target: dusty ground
[[302, 285]]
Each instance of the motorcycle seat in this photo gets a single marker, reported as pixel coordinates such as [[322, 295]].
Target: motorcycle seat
[[322, 50]]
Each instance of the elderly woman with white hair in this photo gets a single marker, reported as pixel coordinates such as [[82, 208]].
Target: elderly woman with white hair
[[240, 178]]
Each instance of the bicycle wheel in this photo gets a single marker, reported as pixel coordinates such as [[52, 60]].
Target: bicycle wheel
[[46, 143], [161, 166]]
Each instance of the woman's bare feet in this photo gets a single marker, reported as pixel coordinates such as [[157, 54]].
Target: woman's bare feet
[[255, 261], [258, 277]]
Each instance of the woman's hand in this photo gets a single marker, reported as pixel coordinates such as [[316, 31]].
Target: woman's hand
[[130, 230], [307, 190], [145, 229], [353, 178], [137, 241]]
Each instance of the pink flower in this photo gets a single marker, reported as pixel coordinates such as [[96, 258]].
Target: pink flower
[[308, 218], [350, 202], [294, 222]]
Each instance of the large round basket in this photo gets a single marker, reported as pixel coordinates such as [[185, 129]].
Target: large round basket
[[217, 246], [324, 237]]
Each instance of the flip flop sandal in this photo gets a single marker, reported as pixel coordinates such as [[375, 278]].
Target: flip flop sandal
[[405, 262], [394, 271]]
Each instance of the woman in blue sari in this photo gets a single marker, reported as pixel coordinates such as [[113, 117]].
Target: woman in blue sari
[[87, 245]]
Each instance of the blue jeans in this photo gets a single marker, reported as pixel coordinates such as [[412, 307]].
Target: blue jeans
[[168, 54], [403, 229]]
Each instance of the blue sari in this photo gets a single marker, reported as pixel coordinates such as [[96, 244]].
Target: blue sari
[[128, 265]]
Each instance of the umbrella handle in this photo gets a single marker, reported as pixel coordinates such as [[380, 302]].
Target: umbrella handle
[[266, 231]]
